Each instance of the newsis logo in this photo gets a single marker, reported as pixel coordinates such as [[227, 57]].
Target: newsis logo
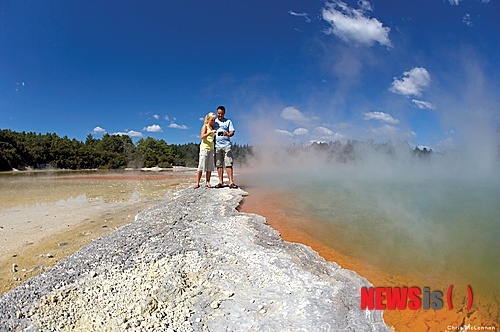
[[412, 298]]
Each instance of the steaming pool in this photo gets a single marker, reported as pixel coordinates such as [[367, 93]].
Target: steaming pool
[[442, 231]]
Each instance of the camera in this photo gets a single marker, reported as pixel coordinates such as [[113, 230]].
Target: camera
[[220, 133]]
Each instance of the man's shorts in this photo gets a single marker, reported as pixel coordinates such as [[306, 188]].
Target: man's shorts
[[223, 157], [206, 162]]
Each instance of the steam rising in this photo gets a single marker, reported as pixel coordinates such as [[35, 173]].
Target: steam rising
[[395, 206], [437, 206]]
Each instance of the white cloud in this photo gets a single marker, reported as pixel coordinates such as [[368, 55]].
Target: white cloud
[[327, 134], [467, 20], [296, 132], [457, 2], [301, 131], [423, 104], [304, 15], [283, 132], [134, 133], [354, 25], [412, 83], [177, 126], [131, 133], [294, 115], [98, 130], [323, 131], [166, 117], [153, 129], [381, 116], [156, 116], [365, 5], [20, 85]]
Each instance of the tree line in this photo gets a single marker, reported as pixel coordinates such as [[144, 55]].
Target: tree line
[[22, 150], [353, 150]]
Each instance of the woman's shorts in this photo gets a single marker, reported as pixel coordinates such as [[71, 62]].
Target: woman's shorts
[[206, 163]]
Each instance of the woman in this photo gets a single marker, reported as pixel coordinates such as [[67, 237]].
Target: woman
[[206, 162]]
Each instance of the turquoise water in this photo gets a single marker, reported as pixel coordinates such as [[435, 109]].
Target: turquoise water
[[425, 226]]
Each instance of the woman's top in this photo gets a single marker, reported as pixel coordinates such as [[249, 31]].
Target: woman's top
[[207, 143]]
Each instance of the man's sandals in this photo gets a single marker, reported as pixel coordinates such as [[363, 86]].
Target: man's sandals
[[220, 185]]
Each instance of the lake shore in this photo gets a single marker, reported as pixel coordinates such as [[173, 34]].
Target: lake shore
[[184, 267]]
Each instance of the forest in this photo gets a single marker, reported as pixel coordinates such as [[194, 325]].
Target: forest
[[22, 151], [35, 151]]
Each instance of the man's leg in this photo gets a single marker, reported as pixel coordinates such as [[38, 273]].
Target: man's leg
[[219, 163], [229, 170], [228, 161], [220, 172]]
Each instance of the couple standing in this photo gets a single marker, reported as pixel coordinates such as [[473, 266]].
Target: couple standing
[[218, 130]]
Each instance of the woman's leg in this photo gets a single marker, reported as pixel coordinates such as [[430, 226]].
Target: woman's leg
[[198, 178], [208, 174]]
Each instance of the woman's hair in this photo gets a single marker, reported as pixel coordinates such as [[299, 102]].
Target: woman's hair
[[209, 117]]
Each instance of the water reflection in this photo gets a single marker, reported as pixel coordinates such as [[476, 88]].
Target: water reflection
[[34, 188]]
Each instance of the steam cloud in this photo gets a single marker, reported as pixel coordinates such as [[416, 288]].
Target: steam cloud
[[414, 202]]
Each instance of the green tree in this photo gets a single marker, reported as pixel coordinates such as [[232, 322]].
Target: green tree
[[186, 154], [152, 152], [11, 150], [115, 151]]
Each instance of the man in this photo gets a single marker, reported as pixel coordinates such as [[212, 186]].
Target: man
[[223, 155]]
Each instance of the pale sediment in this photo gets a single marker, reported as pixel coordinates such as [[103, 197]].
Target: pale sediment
[[192, 264]]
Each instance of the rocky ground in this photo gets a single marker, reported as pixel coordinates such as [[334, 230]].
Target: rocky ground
[[192, 264]]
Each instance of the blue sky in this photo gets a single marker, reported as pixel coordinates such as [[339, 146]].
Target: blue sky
[[287, 71]]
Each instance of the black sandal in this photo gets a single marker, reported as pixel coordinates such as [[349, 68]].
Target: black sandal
[[219, 185]]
